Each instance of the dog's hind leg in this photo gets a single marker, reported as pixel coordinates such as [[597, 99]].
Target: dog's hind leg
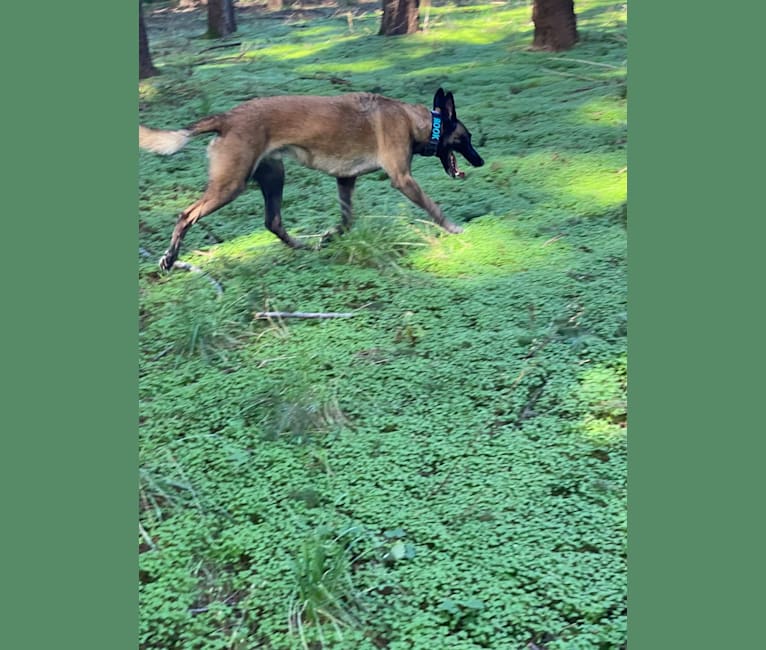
[[270, 175], [228, 173], [215, 197]]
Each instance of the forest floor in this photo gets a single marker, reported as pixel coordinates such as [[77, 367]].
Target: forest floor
[[446, 468]]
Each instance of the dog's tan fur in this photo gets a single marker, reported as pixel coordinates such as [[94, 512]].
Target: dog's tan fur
[[344, 136]]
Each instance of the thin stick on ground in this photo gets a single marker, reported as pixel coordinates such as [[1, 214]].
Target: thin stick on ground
[[185, 266], [223, 45], [603, 65], [302, 314], [569, 74]]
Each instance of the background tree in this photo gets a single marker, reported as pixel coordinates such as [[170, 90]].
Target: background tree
[[145, 66], [555, 24], [220, 18], [399, 17]]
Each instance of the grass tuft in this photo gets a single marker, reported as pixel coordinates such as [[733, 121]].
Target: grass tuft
[[378, 242], [323, 594]]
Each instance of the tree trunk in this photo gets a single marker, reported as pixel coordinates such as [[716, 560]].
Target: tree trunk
[[220, 18], [555, 24], [399, 17], [145, 66]]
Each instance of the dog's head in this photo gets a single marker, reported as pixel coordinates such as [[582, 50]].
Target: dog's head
[[455, 137]]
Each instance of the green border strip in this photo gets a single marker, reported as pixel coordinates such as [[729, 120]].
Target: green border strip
[[696, 270], [70, 304]]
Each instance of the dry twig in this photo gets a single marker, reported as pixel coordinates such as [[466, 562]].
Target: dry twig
[[178, 264], [302, 314]]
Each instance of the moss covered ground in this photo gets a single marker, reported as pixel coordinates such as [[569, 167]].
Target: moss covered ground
[[446, 469]]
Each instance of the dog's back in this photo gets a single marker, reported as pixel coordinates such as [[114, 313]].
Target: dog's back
[[341, 136]]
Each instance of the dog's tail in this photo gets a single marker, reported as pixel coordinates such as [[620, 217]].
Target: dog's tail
[[168, 142], [162, 142]]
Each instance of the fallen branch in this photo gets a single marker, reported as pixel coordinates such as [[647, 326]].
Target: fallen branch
[[178, 264], [568, 74], [223, 45], [603, 65], [302, 314], [227, 59], [527, 410]]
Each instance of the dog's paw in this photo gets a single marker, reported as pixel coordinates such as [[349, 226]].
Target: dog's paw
[[166, 262], [297, 244]]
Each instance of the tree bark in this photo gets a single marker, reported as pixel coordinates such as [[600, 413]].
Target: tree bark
[[399, 17], [220, 18], [145, 66], [555, 25]]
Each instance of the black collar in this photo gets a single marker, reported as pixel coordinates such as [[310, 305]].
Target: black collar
[[437, 129]]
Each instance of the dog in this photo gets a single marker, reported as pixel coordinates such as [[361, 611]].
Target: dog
[[344, 136]]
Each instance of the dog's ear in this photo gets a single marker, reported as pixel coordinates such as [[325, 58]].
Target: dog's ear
[[449, 107], [439, 98]]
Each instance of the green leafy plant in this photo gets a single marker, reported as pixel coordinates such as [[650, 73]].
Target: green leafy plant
[[460, 612], [396, 549]]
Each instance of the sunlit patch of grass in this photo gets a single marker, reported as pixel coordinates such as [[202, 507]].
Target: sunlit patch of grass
[[603, 392], [501, 10], [607, 18], [585, 181], [146, 90], [479, 24], [602, 110], [445, 69], [292, 50], [246, 248], [311, 31], [488, 246], [601, 431]]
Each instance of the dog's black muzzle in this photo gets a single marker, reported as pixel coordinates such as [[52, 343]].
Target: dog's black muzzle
[[449, 162], [473, 157]]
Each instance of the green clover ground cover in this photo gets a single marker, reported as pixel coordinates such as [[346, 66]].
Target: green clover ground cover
[[447, 468]]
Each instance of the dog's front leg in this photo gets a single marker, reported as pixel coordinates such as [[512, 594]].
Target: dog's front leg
[[405, 183], [345, 192]]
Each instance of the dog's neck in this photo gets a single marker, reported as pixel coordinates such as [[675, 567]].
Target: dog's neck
[[435, 133]]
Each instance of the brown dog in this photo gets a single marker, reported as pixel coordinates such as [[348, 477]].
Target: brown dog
[[344, 136]]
